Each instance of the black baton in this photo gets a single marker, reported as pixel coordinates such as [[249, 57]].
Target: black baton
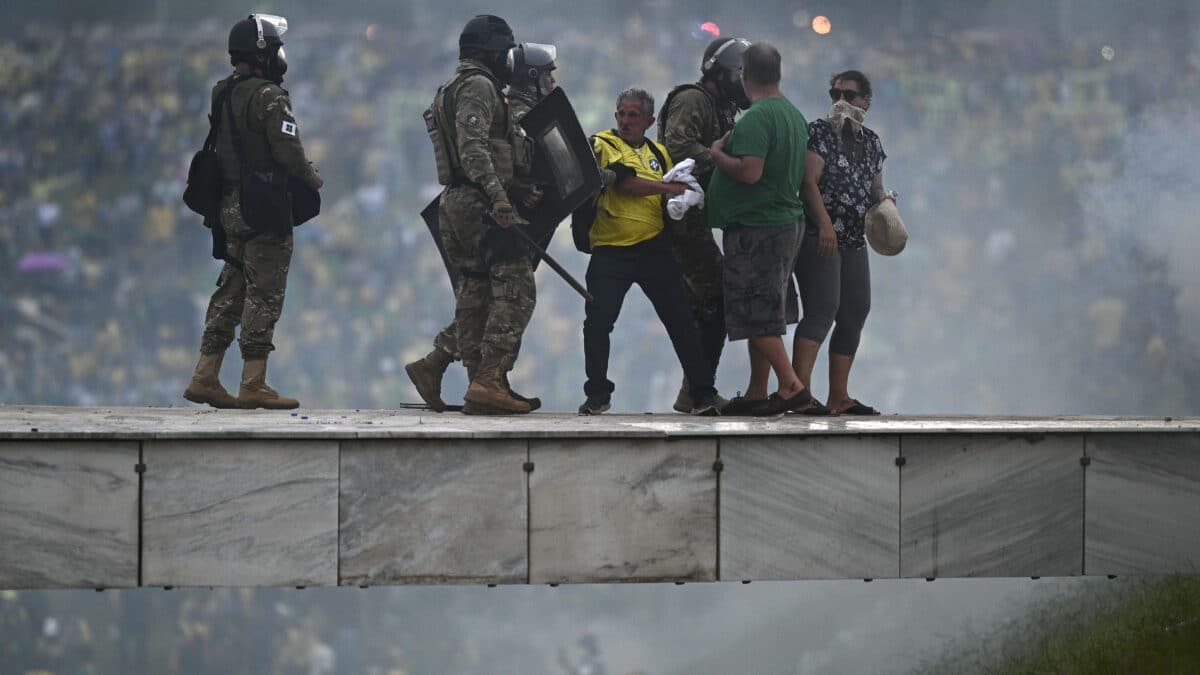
[[572, 281]]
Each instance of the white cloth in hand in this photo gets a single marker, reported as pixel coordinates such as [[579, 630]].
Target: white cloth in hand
[[694, 196], [677, 206]]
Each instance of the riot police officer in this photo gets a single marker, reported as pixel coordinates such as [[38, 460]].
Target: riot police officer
[[531, 69], [692, 118], [258, 131], [479, 150]]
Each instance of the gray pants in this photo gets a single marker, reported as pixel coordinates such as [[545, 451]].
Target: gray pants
[[837, 289]]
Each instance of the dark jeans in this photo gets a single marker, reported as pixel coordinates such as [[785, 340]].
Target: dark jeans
[[651, 265]]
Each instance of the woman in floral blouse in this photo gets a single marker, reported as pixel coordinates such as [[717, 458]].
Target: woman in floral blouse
[[843, 178]]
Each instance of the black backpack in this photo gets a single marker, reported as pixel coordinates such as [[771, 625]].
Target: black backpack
[[583, 217], [203, 192]]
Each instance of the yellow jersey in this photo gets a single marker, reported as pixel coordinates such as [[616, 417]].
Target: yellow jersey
[[622, 220]]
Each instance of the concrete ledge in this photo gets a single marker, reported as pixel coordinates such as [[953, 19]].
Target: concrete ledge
[[254, 498]]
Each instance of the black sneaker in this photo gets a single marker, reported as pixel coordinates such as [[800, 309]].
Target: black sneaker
[[594, 405], [709, 405]]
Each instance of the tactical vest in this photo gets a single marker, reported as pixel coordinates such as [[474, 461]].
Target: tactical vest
[[722, 119], [255, 145], [512, 151]]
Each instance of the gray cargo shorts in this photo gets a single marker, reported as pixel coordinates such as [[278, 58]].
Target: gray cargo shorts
[[759, 296]]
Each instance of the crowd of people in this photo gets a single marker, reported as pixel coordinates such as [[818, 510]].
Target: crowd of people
[[268, 632], [1020, 291]]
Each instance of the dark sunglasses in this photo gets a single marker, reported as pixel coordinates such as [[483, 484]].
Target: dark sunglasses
[[849, 94]]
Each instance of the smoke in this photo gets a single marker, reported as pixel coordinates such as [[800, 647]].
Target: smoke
[[1153, 202]]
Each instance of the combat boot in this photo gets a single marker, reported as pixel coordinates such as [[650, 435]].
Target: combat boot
[[254, 392], [534, 403], [487, 394], [206, 383], [426, 375]]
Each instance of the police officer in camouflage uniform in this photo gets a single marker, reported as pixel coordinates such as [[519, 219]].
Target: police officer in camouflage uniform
[[251, 287], [692, 118], [479, 150], [531, 67]]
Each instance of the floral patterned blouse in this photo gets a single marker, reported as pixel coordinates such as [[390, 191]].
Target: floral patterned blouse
[[846, 181]]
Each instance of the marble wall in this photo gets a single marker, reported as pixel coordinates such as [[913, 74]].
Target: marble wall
[[816, 507], [240, 513], [463, 510], [991, 506], [610, 510], [1143, 504], [433, 512], [68, 514]]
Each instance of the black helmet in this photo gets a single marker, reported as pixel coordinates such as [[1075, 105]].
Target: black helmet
[[529, 63], [724, 53], [253, 35], [260, 35], [485, 35], [722, 63]]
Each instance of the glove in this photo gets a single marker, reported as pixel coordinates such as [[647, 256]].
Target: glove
[[503, 213]]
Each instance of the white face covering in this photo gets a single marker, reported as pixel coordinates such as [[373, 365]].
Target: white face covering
[[844, 113]]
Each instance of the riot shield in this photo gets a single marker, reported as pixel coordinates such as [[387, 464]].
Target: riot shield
[[430, 215], [563, 161]]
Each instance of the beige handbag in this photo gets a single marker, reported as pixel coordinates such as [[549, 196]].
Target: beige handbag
[[885, 230]]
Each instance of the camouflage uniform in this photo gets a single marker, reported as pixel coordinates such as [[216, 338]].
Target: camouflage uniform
[[495, 295], [690, 121], [520, 103], [250, 290]]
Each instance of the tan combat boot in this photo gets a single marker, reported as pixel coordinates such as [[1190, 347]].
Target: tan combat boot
[[426, 375], [206, 383], [487, 394], [534, 403], [254, 392]]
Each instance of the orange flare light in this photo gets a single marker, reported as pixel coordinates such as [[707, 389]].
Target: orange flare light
[[821, 25]]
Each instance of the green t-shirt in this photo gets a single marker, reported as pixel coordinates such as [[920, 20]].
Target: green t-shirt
[[775, 130]]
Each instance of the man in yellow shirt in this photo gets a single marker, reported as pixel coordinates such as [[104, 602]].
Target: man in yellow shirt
[[628, 247]]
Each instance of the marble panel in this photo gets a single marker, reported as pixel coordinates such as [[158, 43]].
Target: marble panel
[[433, 512], [622, 510], [991, 506], [240, 513], [1143, 504], [68, 514], [818, 507]]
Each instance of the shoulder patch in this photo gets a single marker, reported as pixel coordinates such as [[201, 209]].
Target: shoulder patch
[[289, 128], [470, 120]]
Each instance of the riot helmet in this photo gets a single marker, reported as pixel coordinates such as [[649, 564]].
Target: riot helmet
[[258, 41], [722, 64], [487, 38], [531, 65]]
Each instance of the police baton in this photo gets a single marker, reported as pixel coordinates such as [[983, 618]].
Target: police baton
[[562, 272]]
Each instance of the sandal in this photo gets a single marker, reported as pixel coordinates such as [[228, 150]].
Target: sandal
[[858, 408], [804, 403]]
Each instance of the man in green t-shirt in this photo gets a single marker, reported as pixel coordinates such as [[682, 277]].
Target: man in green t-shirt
[[754, 197]]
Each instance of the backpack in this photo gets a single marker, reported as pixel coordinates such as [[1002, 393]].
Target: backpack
[[203, 192]]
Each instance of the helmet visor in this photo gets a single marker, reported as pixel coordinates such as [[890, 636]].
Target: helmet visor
[[540, 55], [279, 23]]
